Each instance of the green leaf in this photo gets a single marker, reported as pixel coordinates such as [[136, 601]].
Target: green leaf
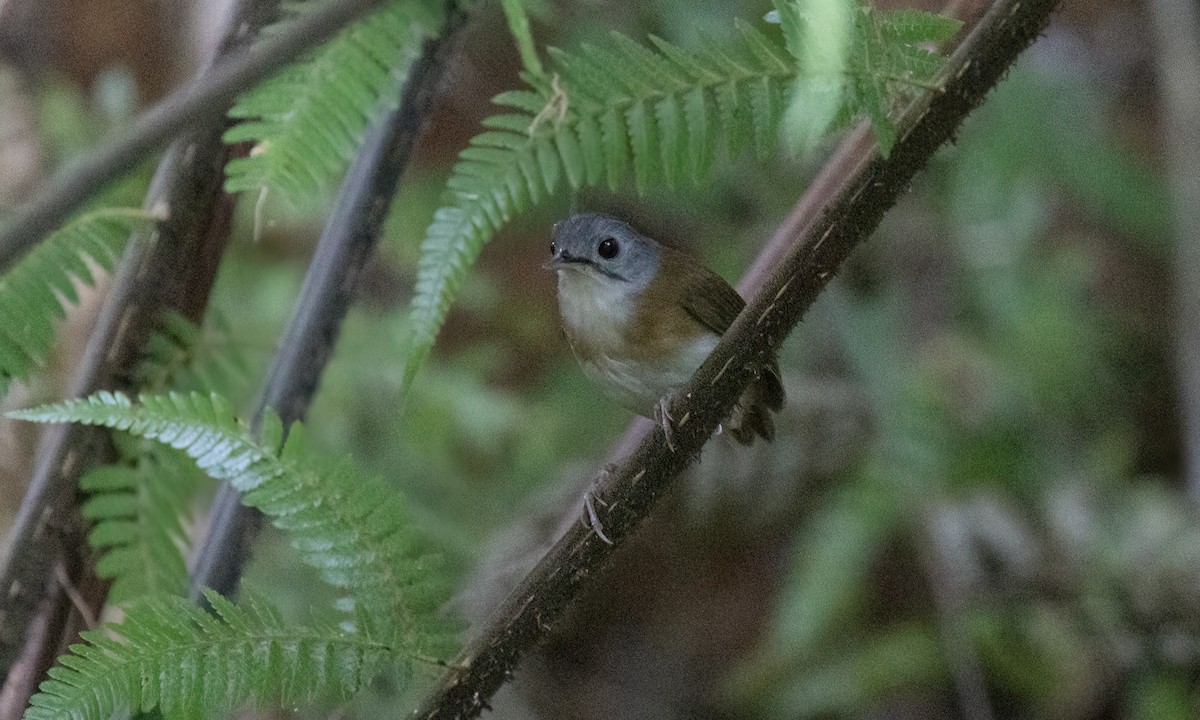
[[138, 504], [857, 62], [820, 35], [353, 530], [136, 507], [518, 24], [914, 28], [307, 121], [171, 655], [182, 356], [616, 105], [34, 291]]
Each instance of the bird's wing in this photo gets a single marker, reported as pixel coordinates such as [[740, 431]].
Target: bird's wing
[[711, 300]]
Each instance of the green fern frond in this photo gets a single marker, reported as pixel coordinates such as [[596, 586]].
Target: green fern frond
[[306, 122], [136, 506], [611, 107], [884, 59], [618, 106], [33, 293], [182, 356], [169, 654], [356, 532], [515, 12], [137, 503]]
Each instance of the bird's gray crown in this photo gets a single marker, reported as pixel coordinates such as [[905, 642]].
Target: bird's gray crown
[[592, 242]]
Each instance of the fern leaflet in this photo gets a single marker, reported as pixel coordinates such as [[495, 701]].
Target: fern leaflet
[[183, 356], [137, 504], [611, 107], [169, 654], [33, 292], [617, 107], [518, 23], [136, 508], [354, 531], [884, 58], [306, 122]]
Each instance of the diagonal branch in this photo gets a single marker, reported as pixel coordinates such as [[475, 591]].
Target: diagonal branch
[[346, 244], [203, 101], [817, 250]]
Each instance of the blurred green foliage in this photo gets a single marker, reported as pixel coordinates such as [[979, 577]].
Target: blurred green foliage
[[995, 348]]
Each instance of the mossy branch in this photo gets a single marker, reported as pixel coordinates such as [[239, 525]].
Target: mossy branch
[[817, 251]]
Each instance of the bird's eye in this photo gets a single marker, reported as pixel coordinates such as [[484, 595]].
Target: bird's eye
[[608, 248]]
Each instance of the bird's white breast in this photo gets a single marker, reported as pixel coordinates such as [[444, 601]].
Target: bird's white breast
[[594, 307], [596, 312]]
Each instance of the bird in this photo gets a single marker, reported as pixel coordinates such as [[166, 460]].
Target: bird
[[642, 316]]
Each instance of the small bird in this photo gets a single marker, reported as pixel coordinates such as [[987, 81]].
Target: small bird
[[641, 317]]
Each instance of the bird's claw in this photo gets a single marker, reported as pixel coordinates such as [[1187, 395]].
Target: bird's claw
[[590, 519], [663, 417]]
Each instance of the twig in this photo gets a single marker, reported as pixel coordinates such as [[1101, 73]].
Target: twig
[[1177, 29], [348, 240], [24, 675], [817, 250], [171, 267], [78, 601], [203, 101]]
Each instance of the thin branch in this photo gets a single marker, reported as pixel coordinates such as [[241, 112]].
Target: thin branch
[[171, 267], [203, 101], [348, 240], [817, 250], [25, 673], [1177, 28]]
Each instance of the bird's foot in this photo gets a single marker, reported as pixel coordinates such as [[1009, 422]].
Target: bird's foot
[[662, 417], [590, 519]]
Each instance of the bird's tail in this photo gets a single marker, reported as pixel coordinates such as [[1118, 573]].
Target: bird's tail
[[751, 417]]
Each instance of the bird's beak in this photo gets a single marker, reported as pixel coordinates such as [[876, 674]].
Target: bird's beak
[[560, 260]]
